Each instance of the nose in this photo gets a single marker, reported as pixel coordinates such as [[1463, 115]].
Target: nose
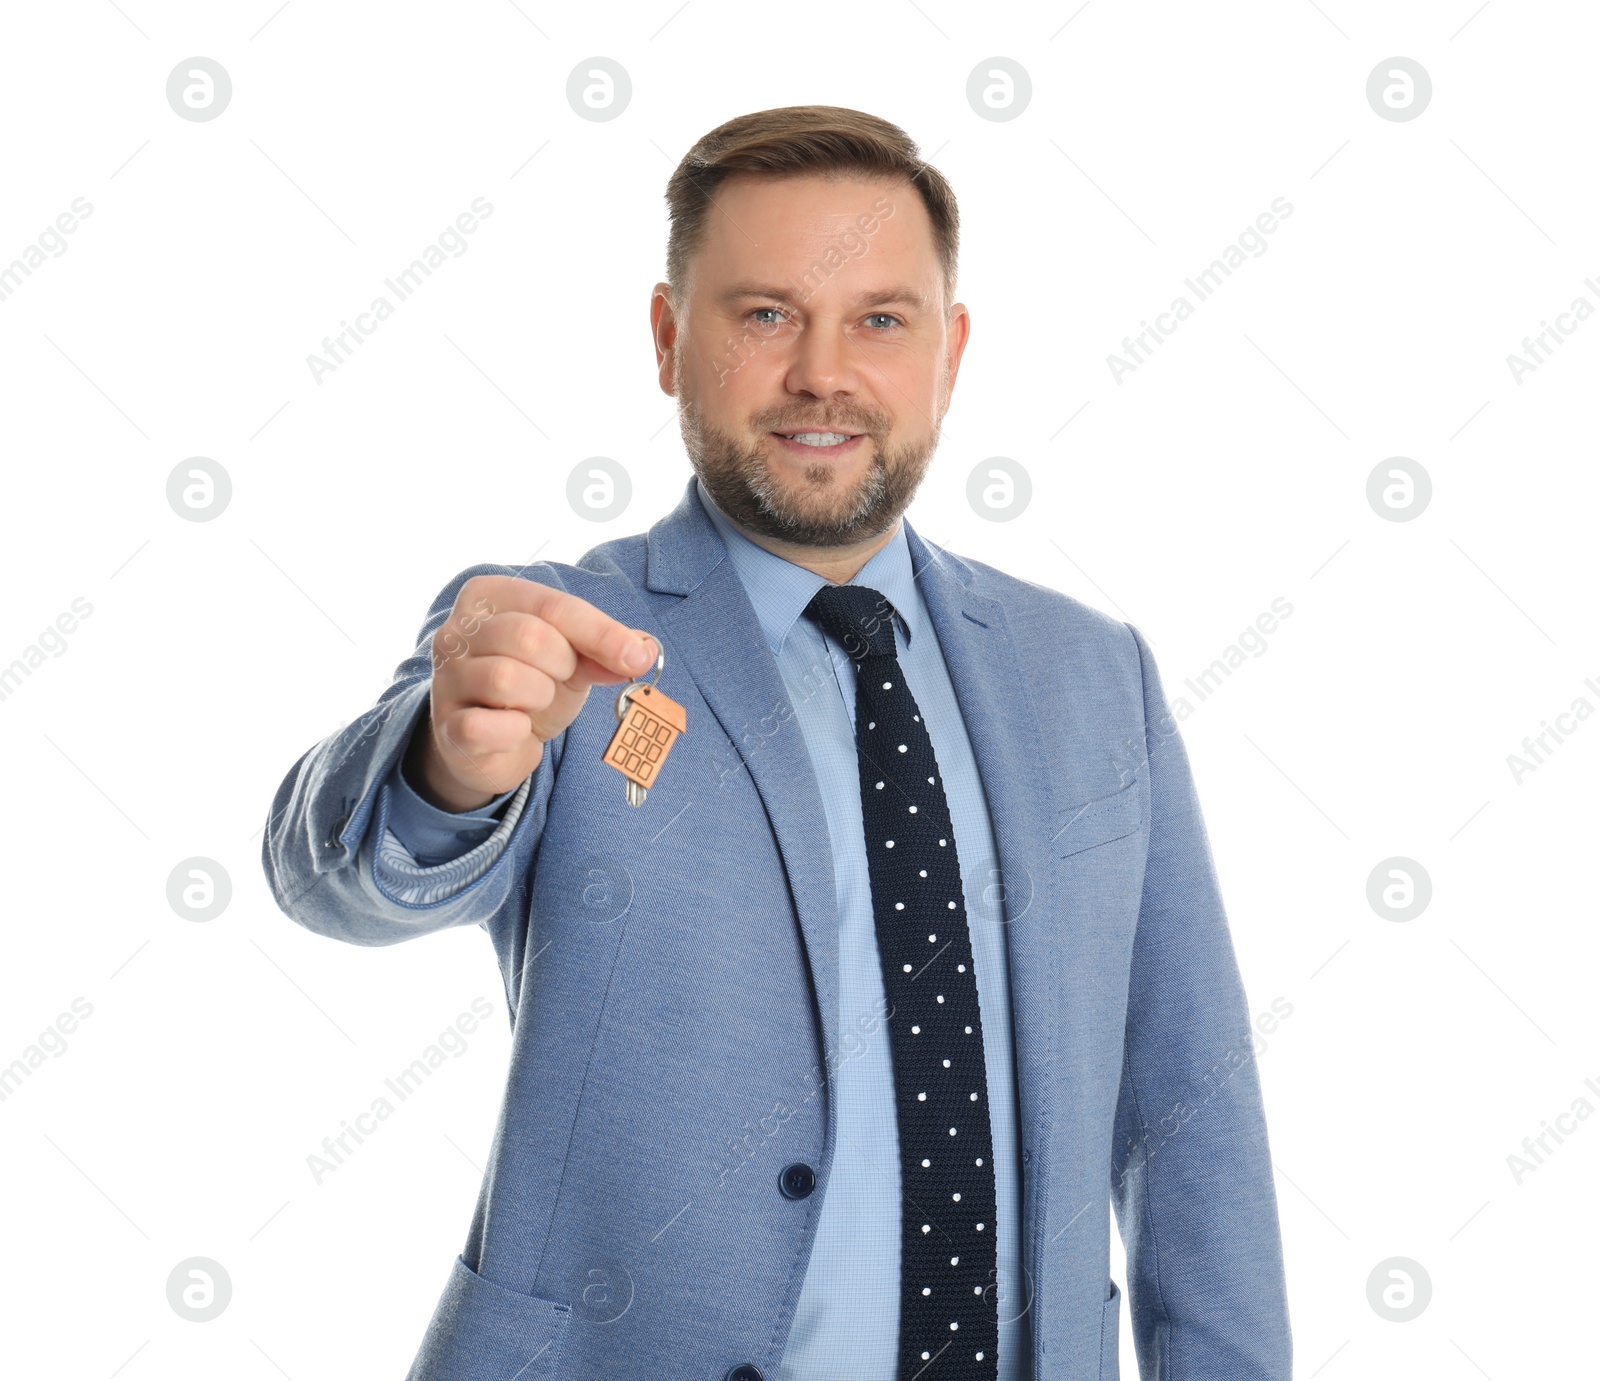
[[824, 362]]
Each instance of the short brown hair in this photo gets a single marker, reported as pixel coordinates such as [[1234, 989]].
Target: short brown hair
[[799, 141]]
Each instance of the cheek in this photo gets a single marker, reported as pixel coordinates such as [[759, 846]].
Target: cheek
[[715, 373], [737, 388], [913, 379]]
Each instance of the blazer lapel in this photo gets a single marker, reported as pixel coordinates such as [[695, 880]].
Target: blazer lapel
[[718, 641]]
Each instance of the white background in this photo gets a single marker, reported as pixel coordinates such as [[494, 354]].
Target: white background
[[1228, 471]]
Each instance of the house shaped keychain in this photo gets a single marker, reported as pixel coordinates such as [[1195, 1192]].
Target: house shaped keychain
[[648, 723]]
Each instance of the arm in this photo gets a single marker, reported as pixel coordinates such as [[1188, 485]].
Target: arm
[[1191, 1174], [329, 857]]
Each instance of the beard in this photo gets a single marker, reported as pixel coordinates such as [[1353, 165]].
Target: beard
[[818, 509]]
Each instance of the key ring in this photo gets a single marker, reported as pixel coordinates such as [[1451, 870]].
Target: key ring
[[627, 690], [646, 731]]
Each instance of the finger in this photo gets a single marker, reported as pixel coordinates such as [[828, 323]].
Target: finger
[[608, 645], [477, 731], [592, 632], [529, 638], [501, 683]]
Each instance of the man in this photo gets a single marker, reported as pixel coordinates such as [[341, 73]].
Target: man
[[829, 1053]]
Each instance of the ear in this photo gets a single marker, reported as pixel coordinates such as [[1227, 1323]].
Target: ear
[[664, 333], [957, 330]]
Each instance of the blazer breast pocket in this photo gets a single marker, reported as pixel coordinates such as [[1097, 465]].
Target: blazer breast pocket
[[1098, 821]]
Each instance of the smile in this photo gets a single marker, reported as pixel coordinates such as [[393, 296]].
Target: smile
[[818, 443]]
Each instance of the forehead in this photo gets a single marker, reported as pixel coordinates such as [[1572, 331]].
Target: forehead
[[759, 226]]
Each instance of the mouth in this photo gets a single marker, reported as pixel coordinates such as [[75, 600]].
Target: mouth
[[818, 443]]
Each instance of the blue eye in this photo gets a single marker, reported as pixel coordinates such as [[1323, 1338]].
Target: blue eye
[[757, 313]]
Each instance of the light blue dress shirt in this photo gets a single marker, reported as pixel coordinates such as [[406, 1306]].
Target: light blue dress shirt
[[847, 1321]]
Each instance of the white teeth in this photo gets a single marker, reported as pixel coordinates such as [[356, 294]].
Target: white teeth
[[819, 438]]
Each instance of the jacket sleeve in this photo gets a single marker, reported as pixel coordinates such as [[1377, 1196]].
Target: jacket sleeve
[[1191, 1173], [331, 861], [431, 835]]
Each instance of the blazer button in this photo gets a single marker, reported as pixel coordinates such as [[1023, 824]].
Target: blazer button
[[336, 831], [745, 1371], [797, 1180]]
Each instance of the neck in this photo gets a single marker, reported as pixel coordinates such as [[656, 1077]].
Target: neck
[[838, 565]]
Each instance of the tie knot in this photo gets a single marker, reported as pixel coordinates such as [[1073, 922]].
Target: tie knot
[[860, 619]]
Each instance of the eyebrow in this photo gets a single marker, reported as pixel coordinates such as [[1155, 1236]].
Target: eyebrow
[[878, 297]]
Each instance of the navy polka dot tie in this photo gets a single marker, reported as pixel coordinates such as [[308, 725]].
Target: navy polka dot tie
[[949, 1329]]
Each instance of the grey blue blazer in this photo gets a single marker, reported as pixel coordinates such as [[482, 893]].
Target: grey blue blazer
[[668, 969]]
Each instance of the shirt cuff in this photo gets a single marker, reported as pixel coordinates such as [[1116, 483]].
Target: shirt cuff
[[433, 836]]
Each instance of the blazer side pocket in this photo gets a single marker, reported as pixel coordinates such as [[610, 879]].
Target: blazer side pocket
[[481, 1329], [1110, 1322], [1099, 821]]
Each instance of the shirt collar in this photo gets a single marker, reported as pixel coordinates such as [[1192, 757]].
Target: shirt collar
[[779, 590]]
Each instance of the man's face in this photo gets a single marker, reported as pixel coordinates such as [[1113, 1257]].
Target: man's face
[[813, 306]]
